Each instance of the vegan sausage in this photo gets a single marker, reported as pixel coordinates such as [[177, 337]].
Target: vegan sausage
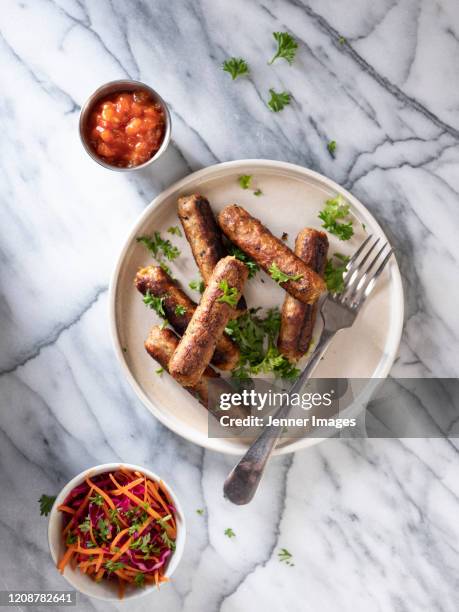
[[250, 235], [205, 237], [298, 319], [212, 314], [179, 308]]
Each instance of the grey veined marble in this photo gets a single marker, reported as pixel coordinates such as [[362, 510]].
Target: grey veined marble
[[372, 524]]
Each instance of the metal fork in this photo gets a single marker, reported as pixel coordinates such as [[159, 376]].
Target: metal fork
[[338, 311]]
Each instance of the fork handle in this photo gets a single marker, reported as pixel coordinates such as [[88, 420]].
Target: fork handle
[[242, 482]]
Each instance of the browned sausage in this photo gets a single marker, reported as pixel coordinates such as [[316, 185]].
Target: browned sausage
[[298, 319], [206, 327], [250, 235], [161, 344], [158, 282], [204, 236]]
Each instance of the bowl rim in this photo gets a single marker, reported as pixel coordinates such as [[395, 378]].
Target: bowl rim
[[55, 516], [119, 85]]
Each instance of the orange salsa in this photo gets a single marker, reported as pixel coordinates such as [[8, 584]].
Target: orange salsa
[[126, 129]]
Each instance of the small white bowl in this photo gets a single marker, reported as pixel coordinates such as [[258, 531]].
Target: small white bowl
[[81, 582]]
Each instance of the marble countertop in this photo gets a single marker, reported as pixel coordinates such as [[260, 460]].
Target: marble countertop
[[372, 524]]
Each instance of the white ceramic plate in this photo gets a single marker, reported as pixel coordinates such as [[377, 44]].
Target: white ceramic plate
[[292, 198]]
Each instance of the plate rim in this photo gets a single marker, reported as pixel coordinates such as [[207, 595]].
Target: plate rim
[[171, 422]]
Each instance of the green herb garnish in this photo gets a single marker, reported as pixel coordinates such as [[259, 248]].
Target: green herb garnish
[[97, 499], [334, 274], [71, 538], [155, 303], [139, 579], [236, 67], [157, 245], [279, 276], [230, 295], [163, 520], [197, 285], [142, 544], [46, 503], [159, 371], [258, 192], [286, 47], [251, 265], [85, 526], [336, 208], [256, 338], [175, 230], [278, 100], [200, 511], [180, 310], [229, 533], [113, 566], [342, 40], [331, 147], [103, 528], [167, 541], [245, 180], [285, 556]]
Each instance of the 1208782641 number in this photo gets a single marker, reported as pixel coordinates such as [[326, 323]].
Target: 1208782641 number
[[33, 598]]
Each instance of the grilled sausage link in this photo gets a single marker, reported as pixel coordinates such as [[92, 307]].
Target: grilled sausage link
[[158, 282], [250, 235], [205, 237], [161, 344], [298, 319], [206, 327]]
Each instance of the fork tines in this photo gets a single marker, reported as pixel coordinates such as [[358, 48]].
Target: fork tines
[[362, 271]]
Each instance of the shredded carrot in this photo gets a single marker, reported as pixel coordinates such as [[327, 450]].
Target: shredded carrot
[[64, 508], [102, 493], [66, 558]]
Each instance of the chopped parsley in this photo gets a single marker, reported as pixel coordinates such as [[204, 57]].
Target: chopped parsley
[[85, 526], [104, 529], [279, 276], [158, 246], [229, 533], [167, 541], [334, 274], [285, 556], [337, 208], [159, 371], [46, 503], [331, 147], [258, 192], [70, 539], [200, 511], [342, 40], [278, 100], [256, 338], [197, 285], [163, 521], [142, 544], [97, 499], [180, 310], [139, 579], [239, 254], [230, 295], [155, 303], [244, 180], [236, 67], [174, 230], [113, 566], [286, 47]]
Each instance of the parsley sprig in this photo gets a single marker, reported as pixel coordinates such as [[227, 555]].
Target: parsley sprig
[[245, 180], [46, 503], [334, 273], [158, 246], [236, 67], [286, 47], [285, 556], [155, 303], [197, 285], [229, 533], [253, 268], [256, 337], [230, 295], [278, 100], [337, 208], [279, 276]]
